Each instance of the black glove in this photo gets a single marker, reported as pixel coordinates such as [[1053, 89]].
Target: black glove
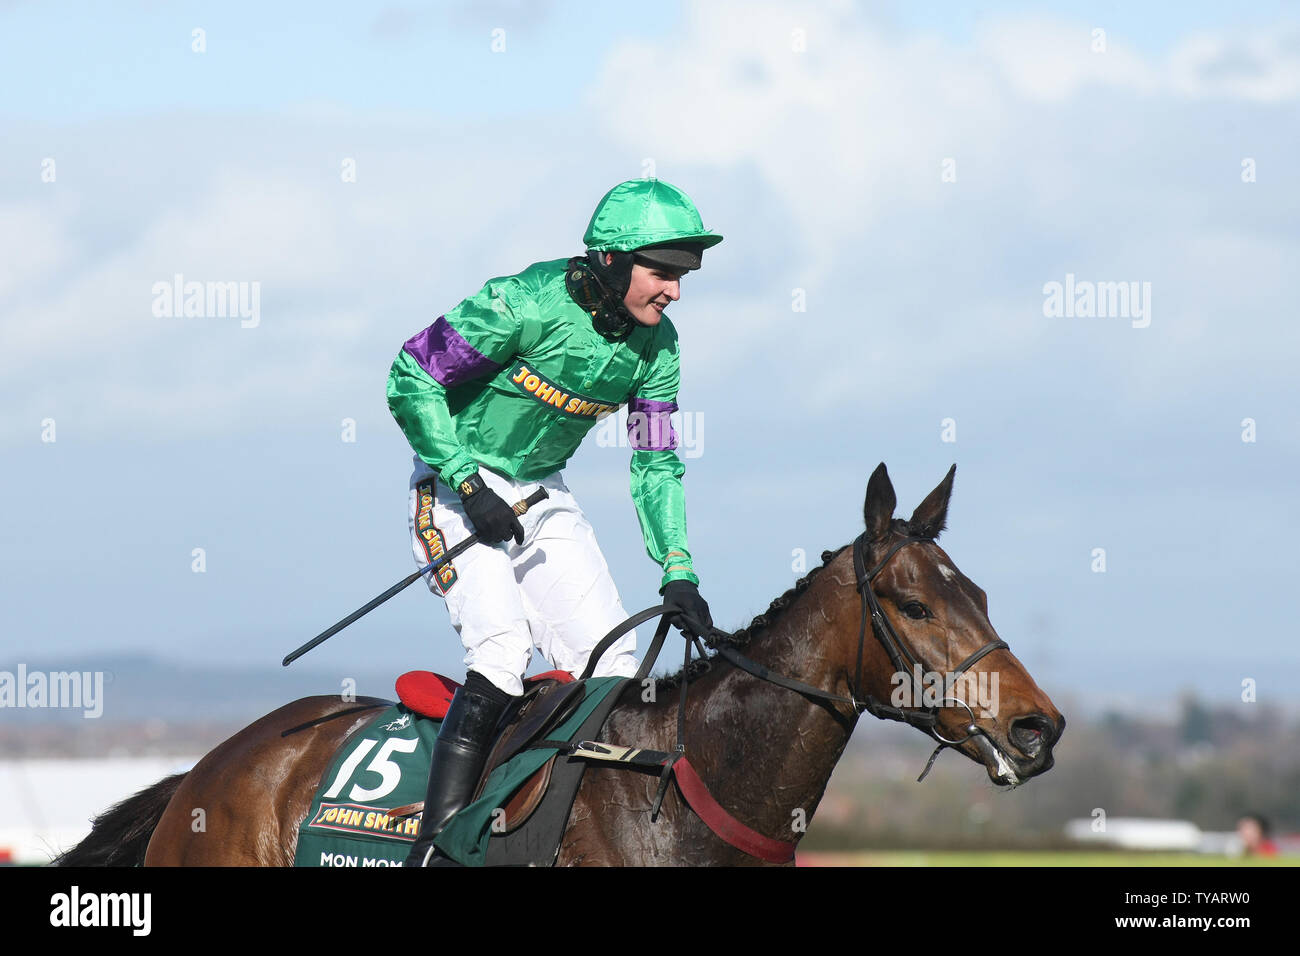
[[685, 596], [492, 518]]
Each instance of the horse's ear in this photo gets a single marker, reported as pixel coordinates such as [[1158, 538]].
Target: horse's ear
[[931, 514], [878, 509]]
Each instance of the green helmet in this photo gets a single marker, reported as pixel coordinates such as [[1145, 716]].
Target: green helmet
[[646, 212]]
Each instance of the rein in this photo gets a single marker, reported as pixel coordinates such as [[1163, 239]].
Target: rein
[[900, 654]]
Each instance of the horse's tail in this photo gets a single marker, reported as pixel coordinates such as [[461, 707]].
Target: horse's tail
[[120, 835]]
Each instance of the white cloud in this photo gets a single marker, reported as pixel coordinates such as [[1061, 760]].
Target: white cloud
[[845, 139], [1261, 66], [1044, 59], [33, 245], [838, 131], [848, 138], [79, 337]]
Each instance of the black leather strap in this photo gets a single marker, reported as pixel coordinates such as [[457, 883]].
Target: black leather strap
[[639, 618], [764, 673]]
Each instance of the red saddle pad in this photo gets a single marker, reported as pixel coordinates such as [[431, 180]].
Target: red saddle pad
[[430, 694]]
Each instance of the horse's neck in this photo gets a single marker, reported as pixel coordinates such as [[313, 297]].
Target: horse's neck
[[762, 749]]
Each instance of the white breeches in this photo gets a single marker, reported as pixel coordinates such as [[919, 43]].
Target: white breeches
[[553, 592]]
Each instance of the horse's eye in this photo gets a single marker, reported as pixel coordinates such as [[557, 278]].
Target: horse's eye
[[915, 610]]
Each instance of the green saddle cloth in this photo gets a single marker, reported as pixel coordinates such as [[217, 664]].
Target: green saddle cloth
[[386, 766]]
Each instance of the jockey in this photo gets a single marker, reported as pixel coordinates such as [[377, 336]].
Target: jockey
[[494, 398]]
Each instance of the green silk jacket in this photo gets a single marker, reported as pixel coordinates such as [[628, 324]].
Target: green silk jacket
[[515, 376]]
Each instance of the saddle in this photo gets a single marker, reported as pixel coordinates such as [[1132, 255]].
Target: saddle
[[548, 699], [524, 796]]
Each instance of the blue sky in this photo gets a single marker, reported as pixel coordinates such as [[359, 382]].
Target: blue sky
[[93, 60], [824, 170]]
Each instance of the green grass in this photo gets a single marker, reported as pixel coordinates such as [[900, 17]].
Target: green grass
[[1029, 858]]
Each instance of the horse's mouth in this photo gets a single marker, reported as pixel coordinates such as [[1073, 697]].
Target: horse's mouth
[[1006, 770], [1026, 754], [1001, 770]]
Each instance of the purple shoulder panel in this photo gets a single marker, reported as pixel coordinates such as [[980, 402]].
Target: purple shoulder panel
[[443, 352]]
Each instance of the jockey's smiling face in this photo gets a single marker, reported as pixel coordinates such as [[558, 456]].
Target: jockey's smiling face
[[652, 289]]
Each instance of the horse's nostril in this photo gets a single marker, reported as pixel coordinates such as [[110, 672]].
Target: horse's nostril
[[1031, 734]]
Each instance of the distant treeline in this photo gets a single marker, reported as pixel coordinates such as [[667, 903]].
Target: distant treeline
[[1209, 766]]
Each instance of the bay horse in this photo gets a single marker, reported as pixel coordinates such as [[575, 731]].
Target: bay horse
[[765, 748]]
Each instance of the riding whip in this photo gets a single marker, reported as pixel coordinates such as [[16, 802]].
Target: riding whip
[[519, 508]]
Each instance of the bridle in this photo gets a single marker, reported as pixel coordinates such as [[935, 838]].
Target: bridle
[[901, 656]]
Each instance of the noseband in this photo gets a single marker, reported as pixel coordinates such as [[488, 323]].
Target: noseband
[[901, 656]]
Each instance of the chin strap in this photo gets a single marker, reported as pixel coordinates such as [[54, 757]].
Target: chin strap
[[594, 286]]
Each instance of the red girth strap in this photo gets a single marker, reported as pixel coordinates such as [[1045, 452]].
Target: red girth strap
[[723, 823]]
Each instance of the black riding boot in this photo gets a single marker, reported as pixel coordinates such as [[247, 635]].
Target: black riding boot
[[458, 757]]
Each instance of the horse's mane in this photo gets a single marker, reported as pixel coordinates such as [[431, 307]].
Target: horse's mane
[[763, 621], [757, 626]]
